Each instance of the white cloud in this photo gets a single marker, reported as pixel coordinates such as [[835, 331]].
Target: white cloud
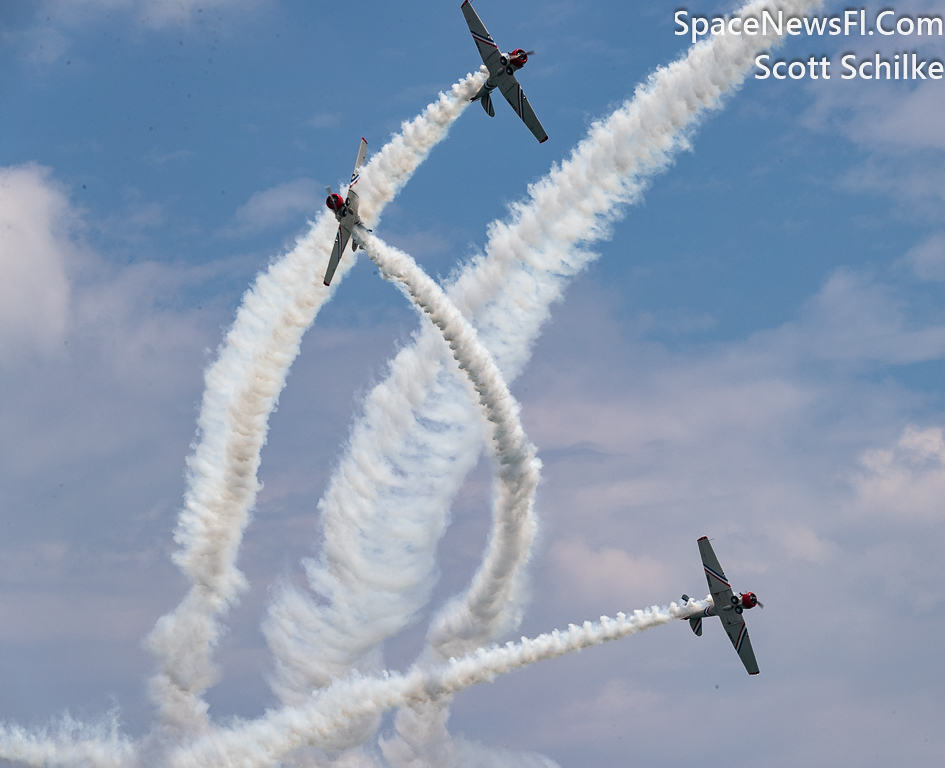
[[43, 45], [35, 251], [927, 259], [890, 117], [801, 542], [766, 443], [856, 320], [607, 573], [160, 13], [324, 120], [153, 13], [898, 126], [277, 205], [906, 481]]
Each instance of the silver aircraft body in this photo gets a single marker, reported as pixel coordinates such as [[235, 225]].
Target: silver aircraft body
[[502, 69], [346, 212], [727, 606]]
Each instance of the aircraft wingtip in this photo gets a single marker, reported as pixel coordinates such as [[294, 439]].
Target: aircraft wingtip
[[543, 140], [326, 284], [755, 673], [703, 538]]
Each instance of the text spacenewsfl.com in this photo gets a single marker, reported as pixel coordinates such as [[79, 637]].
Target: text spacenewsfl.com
[[895, 66]]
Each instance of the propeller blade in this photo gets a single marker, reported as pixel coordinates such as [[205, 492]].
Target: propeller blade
[[529, 53], [761, 604], [328, 190]]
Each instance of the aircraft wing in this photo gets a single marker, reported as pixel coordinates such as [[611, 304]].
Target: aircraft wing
[[738, 634], [718, 585], [362, 154], [341, 240], [516, 97], [484, 42]]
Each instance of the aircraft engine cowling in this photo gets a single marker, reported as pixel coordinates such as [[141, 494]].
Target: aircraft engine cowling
[[518, 58], [335, 202], [749, 600]]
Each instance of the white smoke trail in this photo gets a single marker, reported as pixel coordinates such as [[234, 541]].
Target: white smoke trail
[[481, 613], [242, 388], [508, 291], [68, 743], [489, 606], [408, 454], [382, 515], [529, 259], [264, 742]]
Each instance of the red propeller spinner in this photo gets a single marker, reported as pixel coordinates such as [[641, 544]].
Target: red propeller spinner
[[519, 57], [750, 600]]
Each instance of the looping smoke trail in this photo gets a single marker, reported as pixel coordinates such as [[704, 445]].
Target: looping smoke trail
[[242, 388], [416, 441], [508, 292], [313, 643], [264, 742], [481, 613], [490, 605]]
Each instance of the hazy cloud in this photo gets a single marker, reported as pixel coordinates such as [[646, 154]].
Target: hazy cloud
[[324, 120], [927, 259], [907, 480], [608, 573], [153, 13], [277, 205], [35, 219]]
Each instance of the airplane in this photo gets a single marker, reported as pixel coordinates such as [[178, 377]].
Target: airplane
[[726, 606], [346, 211], [502, 69]]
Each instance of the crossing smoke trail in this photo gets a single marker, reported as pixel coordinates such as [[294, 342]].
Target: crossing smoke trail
[[488, 608], [480, 613], [409, 452], [483, 612], [266, 741], [242, 388], [424, 437]]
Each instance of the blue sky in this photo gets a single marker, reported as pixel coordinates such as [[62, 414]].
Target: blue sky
[[757, 355]]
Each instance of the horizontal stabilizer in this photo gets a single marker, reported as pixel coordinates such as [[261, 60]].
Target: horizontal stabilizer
[[487, 104], [696, 623]]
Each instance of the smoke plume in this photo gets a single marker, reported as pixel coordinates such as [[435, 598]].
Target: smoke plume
[[242, 388]]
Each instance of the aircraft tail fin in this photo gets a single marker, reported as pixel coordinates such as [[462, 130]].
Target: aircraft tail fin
[[694, 621], [485, 96]]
